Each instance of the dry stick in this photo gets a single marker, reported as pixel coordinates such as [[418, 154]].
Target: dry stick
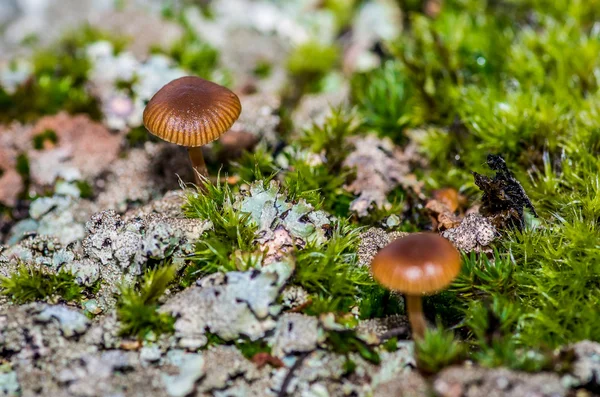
[[290, 375], [394, 333]]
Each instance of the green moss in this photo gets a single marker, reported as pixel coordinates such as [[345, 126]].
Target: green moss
[[308, 64], [59, 80], [263, 69], [331, 270], [232, 232], [384, 98], [137, 307], [192, 54], [30, 284], [346, 341], [438, 349], [85, 189], [47, 135], [250, 348], [22, 165]]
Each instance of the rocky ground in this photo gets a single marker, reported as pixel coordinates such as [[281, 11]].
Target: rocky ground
[[88, 201]]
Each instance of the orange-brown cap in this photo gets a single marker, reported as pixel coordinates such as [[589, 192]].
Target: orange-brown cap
[[191, 111], [418, 264]]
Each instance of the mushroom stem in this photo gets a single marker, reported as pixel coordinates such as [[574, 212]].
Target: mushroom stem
[[198, 164], [414, 305]]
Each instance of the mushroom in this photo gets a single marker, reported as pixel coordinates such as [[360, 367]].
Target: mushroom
[[416, 265], [192, 112]]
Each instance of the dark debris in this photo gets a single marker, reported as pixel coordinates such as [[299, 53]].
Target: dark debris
[[504, 199]]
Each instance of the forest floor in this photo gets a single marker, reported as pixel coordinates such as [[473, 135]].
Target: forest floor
[[362, 121]]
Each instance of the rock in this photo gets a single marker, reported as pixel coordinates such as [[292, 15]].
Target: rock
[[410, 384], [230, 305], [9, 384], [71, 321], [83, 150], [474, 233], [222, 365], [481, 382], [296, 333], [585, 370], [192, 369]]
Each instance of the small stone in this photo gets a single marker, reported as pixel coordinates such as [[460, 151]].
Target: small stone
[[71, 321], [475, 233], [191, 370], [295, 333]]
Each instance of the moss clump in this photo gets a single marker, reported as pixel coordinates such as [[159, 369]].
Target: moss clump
[[331, 271], [30, 284], [137, 307], [232, 231], [309, 63], [86, 190], [58, 82], [385, 101], [41, 138], [438, 349]]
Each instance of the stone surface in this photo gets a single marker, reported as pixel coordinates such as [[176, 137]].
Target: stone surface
[[229, 305], [296, 333], [480, 382], [475, 233]]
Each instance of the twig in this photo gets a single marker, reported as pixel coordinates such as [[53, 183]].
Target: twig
[[289, 376]]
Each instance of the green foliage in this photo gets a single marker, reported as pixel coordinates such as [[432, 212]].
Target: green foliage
[[22, 165], [330, 270], [330, 138], [232, 231], [192, 53], [30, 284], [438, 349], [47, 135], [312, 58], [255, 165], [377, 302], [263, 69], [59, 80], [384, 98], [85, 189], [137, 307], [346, 341], [308, 64]]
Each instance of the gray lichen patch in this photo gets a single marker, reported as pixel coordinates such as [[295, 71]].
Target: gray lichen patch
[[325, 373], [270, 210], [380, 167], [296, 333], [229, 305], [585, 371], [71, 321], [475, 233]]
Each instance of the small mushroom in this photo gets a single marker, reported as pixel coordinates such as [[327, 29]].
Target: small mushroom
[[416, 265], [192, 112]]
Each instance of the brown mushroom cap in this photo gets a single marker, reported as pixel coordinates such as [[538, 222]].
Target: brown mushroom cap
[[418, 264], [191, 111]]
